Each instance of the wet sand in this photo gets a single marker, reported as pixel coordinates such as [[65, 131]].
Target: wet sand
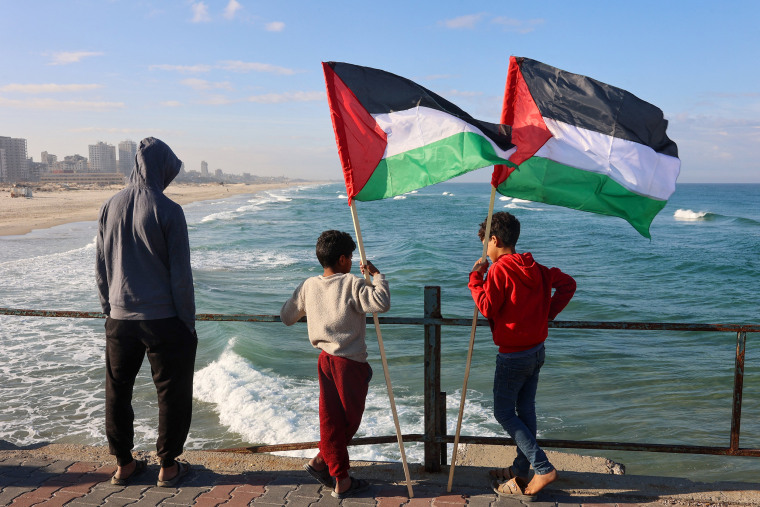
[[57, 206]]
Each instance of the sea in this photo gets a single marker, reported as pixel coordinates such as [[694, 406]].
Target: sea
[[256, 382]]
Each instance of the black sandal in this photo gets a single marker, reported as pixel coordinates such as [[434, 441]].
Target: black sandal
[[323, 476], [357, 486]]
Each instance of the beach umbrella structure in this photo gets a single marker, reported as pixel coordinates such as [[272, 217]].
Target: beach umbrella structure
[[394, 136], [581, 144]]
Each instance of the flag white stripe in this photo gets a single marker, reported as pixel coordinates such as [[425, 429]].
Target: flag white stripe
[[419, 126], [635, 166]]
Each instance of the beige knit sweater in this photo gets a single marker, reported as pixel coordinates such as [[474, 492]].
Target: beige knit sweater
[[336, 307]]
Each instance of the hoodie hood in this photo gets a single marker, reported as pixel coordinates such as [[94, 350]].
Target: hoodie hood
[[156, 165], [523, 267]]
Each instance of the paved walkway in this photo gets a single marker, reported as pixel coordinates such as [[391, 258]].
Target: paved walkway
[[47, 483], [28, 479]]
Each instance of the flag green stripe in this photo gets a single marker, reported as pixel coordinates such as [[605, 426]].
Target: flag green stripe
[[430, 164], [543, 180]]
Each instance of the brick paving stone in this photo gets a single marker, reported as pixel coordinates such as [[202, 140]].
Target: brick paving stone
[[309, 490], [82, 467], [299, 501], [481, 500], [505, 501], [57, 467], [207, 502], [61, 498], [113, 501], [26, 501], [186, 496], [419, 501], [250, 488], [326, 500], [391, 501], [133, 491], [240, 500], [449, 499], [221, 491], [44, 492], [98, 495], [153, 497], [275, 494], [11, 492], [358, 501]]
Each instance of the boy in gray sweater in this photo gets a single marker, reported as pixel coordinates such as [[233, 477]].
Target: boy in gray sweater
[[336, 304]]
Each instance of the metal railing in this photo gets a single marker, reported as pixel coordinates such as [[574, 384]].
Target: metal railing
[[435, 437]]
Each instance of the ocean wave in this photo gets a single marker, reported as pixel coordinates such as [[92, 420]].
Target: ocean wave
[[241, 259], [688, 215], [398, 197], [263, 407]]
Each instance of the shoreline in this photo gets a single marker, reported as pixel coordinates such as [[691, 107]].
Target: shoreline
[[58, 205]]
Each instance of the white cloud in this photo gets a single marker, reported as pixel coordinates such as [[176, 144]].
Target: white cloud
[[279, 98], [48, 88], [217, 100], [185, 69], [467, 22], [171, 103], [275, 26], [200, 13], [238, 66], [232, 7], [517, 25], [61, 105], [67, 57], [202, 84]]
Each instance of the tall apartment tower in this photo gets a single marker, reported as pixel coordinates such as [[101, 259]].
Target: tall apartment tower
[[204, 168], [127, 152], [16, 167], [102, 158]]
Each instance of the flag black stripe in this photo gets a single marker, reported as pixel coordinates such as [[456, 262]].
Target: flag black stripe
[[587, 103], [381, 92]]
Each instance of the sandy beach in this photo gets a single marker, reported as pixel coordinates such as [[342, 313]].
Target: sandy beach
[[56, 206]]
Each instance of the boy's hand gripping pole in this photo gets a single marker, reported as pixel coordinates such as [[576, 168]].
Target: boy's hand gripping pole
[[363, 258], [486, 238]]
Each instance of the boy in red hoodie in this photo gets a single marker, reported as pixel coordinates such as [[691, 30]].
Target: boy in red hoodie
[[517, 300]]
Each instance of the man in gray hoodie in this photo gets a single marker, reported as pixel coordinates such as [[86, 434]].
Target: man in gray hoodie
[[146, 291]]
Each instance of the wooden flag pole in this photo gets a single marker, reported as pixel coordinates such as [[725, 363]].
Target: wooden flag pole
[[363, 258], [469, 352]]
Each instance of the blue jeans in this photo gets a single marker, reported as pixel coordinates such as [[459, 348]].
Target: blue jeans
[[514, 405]]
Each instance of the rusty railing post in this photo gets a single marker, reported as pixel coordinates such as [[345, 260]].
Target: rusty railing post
[[736, 411], [432, 379]]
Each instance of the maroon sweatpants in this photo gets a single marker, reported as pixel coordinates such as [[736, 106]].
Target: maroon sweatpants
[[343, 385]]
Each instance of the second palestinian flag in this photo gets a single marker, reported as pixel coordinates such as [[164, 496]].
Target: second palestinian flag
[[586, 145], [395, 136]]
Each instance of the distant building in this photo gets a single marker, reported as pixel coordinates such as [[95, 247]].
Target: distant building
[[204, 168], [16, 167], [48, 160], [102, 158], [84, 178], [127, 152], [71, 164], [2, 165], [219, 174]]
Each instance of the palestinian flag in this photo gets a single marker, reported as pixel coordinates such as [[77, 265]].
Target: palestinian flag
[[395, 136], [585, 145]]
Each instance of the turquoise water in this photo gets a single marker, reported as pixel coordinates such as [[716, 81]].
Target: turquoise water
[[256, 382]]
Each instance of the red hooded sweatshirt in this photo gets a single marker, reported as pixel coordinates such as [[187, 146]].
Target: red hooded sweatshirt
[[517, 300]]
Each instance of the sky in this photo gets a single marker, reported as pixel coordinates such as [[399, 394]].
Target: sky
[[239, 83]]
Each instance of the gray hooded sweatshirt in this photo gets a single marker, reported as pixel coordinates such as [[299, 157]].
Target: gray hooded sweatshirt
[[143, 253]]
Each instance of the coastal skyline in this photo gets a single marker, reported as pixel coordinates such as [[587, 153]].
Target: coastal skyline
[[239, 83]]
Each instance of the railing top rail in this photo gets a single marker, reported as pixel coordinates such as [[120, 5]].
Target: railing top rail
[[435, 321]]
